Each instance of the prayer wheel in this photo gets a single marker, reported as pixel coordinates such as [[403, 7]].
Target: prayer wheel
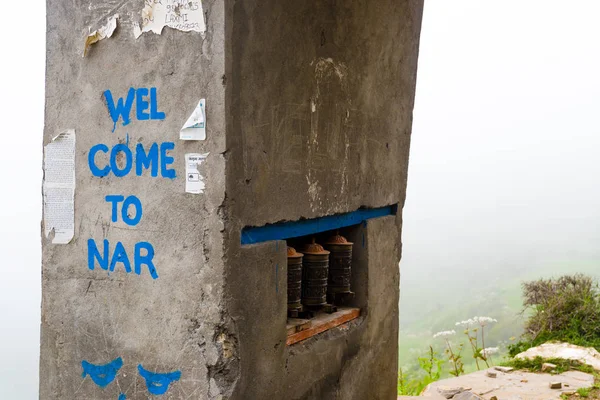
[[294, 279], [340, 267], [315, 271]]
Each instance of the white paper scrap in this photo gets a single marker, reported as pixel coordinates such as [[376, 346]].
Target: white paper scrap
[[194, 182], [137, 31], [183, 15], [195, 127], [104, 32], [59, 187]]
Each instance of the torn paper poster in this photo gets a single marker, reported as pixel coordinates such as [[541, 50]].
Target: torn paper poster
[[195, 127], [103, 32], [59, 187], [183, 15], [194, 182]]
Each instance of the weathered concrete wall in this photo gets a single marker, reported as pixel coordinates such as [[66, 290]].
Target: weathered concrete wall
[[319, 120], [309, 108], [167, 324], [321, 110]]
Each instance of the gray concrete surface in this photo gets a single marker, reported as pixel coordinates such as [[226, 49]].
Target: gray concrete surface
[[166, 324], [321, 112], [309, 112], [319, 123]]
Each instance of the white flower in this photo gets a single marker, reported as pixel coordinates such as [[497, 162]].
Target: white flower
[[489, 351], [483, 321], [466, 323], [444, 334]]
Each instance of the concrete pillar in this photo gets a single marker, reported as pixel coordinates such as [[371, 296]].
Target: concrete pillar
[[308, 114]]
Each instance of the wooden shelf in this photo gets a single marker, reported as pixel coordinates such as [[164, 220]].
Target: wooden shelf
[[302, 329]]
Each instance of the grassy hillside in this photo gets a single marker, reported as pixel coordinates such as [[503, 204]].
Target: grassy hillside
[[439, 302]]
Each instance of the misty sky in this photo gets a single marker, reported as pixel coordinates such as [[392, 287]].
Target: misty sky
[[503, 168]]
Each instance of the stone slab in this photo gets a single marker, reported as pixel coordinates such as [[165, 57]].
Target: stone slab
[[517, 385]]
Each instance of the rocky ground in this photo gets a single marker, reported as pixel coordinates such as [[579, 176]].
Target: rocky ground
[[510, 385], [505, 383]]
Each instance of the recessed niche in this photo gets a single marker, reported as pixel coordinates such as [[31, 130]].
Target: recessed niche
[[322, 293], [332, 254]]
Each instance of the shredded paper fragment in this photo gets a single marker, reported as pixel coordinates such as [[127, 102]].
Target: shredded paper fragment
[[182, 15], [195, 127], [59, 187], [104, 32], [194, 181]]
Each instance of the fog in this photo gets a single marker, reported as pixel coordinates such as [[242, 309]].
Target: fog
[[22, 41], [504, 163], [503, 172]]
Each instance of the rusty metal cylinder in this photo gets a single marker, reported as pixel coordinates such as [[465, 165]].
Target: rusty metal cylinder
[[315, 271], [294, 279], [340, 266]]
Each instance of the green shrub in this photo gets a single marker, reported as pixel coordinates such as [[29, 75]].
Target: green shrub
[[584, 392], [565, 309], [519, 347]]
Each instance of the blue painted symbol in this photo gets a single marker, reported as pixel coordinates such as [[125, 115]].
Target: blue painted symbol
[[102, 375], [122, 396], [156, 383]]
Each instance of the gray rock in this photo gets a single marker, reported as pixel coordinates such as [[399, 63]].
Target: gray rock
[[566, 351], [467, 396], [548, 367], [449, 391], [491, 374]]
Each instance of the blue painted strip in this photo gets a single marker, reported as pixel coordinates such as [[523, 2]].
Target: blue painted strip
[[287, 230]]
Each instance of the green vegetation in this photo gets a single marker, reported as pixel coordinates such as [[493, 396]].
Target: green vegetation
[[535, 365], [565, 309], [590, 393], [432, 365], [432, 300]]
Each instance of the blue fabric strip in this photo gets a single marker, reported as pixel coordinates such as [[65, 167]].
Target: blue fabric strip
[[287, 230]]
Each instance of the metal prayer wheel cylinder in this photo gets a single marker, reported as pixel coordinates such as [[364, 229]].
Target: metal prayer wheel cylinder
[[294, 279], [340, 267], [315, 271]]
